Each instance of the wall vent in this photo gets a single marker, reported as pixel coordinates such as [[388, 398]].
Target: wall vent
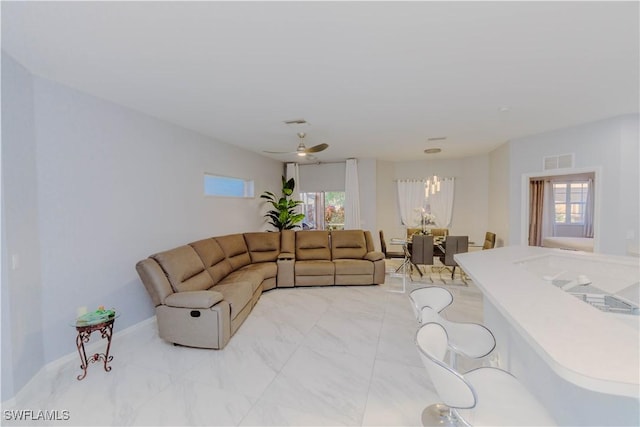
[[561, 161]]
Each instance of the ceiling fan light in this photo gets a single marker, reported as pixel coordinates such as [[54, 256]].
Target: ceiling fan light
[[301, 153]]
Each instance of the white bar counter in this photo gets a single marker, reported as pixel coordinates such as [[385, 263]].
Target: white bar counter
[[581, 362]]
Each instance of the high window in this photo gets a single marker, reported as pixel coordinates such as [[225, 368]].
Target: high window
[[570, 200], [324, 210], [224, 186]]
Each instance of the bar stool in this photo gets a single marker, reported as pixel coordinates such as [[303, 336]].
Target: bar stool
[[483, 396], [471, 340]]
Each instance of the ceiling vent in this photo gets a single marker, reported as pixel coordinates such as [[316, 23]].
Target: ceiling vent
[[561, 161]]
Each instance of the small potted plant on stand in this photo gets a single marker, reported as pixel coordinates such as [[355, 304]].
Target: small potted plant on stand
[[283, 216]]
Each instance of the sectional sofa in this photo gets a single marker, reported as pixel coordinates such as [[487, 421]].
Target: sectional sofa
[[203, 291]]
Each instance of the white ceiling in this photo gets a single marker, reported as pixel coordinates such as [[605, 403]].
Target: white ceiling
[[373, 79]]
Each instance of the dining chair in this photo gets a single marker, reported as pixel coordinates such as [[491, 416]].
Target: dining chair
[[489, 240], [421, 251], [484, 396], [453, 245], [439, 232], [412, 231], [388, 254]]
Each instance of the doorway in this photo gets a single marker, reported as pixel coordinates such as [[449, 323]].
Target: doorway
[[560, 209]]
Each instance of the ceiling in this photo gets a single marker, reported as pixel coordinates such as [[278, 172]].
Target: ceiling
[[372, 79]]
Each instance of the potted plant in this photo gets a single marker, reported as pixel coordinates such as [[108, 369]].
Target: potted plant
[[283, 216]]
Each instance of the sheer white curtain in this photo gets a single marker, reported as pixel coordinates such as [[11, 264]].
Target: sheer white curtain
[[292, 171], [411, 201], [588, 213], [442, 203], [351, 197], [549, 211]]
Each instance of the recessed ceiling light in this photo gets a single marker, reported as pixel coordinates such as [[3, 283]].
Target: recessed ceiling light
[[504, 109], [432, 150], [437, 138]]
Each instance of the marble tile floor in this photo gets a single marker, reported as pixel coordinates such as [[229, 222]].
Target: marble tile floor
[[305, 356]]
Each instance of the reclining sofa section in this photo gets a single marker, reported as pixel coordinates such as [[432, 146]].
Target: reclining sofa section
[[204, 290]]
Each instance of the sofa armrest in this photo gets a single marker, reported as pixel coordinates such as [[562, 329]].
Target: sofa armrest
[[285, 277], [194, 299], [374, 256], [286, 255]]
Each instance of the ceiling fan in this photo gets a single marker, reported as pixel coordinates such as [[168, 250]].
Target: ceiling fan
[[302, 149]]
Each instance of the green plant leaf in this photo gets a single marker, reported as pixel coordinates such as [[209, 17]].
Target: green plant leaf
[[283, 215]]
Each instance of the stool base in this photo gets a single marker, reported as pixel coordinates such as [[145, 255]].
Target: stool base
[[438, 415]]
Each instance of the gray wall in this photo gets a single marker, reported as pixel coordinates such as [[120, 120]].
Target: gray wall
[[90, 188], [610, 145]]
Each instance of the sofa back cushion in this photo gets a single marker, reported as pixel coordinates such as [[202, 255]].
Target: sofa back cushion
[[184, 269], [263, 246], [350, 244], [213, 258], [235, 248], [312, 245], [288, 241]]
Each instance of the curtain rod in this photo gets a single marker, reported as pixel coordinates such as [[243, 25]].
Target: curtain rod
[[422, 179], [321, 163]]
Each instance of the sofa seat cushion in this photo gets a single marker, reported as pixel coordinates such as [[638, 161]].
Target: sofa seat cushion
[[237, 294], [266, 269], [254, 277], [353, 266], [184, 269], [194, 299], [314, 268]]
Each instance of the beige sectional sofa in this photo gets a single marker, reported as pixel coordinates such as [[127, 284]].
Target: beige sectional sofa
[[203, 291]]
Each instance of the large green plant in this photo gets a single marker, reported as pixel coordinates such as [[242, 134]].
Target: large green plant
[[283, 216]]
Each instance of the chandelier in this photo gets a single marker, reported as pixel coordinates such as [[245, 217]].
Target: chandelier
[[432, 186]]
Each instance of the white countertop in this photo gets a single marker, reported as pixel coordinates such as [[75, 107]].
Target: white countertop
[[588, 347]]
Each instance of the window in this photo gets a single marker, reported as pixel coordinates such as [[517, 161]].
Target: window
[[323, 210], [570, 200], [224, 186]]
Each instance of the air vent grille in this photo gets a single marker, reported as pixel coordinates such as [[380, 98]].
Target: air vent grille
[[561, 161]]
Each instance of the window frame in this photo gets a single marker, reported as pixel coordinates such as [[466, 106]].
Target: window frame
[[568, 203], [248, 186]]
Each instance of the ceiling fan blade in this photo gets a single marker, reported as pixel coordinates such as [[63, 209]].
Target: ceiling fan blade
[[317, 148], [279, 152]]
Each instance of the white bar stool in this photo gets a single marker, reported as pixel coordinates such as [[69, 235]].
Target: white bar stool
[[471, 340], [483, 396]]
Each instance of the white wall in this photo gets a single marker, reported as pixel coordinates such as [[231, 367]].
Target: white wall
[[610, 145], [471, 194], [629, 181], [499, 194], [387, 203], [22, 334], [105, 187], [367, 173]]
